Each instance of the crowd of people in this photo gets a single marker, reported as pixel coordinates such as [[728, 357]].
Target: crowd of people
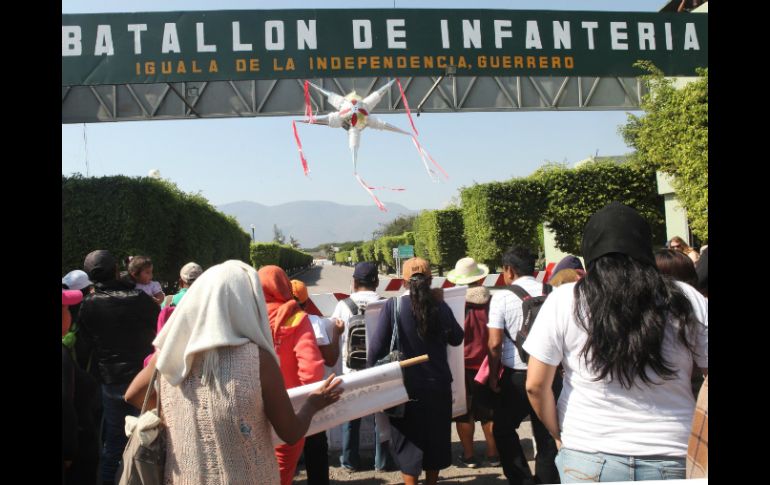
[[608, 374]]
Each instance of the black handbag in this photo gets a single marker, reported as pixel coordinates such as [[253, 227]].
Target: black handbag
[[395, 355]]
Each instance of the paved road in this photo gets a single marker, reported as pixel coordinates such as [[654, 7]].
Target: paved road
[[454, 474], [333, 279], [329, 279]]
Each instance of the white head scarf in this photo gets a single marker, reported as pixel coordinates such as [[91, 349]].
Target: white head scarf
[[225, 307]]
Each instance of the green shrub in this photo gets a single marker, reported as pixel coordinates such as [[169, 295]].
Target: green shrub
[[499, 215], [439, 237], [342, 257], [575, 194], [141, 215]]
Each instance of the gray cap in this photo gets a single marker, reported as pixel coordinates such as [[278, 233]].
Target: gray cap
[[190, 272]]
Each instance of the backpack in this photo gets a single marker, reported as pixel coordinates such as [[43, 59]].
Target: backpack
[[356, 336], [530, 307], [69, 339]]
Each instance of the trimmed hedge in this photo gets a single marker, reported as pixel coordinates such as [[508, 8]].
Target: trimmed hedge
[[499, 215], [264, 254], [342, 257], [367, 251], [283, 255], [439, 237], [291, 259], [384, 248], [575, 194], [357, 254], [142, 215]]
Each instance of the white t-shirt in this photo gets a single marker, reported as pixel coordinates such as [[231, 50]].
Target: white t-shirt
[[602, 416], [505, 311], [150, 288], [342, 311]]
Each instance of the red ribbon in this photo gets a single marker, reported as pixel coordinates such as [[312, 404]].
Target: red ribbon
[[424, 153], [369, 189], [308, 107], [406, 104], [299, 147], [434, 162]]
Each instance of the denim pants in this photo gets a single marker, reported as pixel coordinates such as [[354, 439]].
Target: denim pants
[[350, 442], [115, 410], [579, 466]]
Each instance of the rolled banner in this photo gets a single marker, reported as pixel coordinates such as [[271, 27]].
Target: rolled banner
[[365, 392]]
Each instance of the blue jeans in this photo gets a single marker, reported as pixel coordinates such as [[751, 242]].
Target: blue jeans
[[115, 410], [579, 466], [350, 442]]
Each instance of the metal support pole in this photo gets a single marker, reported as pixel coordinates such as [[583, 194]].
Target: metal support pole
[[430, 91]]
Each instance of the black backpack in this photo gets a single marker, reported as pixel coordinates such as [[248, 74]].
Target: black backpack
[[530, 306], [356, 333]]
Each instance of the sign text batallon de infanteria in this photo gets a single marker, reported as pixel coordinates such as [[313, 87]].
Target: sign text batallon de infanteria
[[268, 44]]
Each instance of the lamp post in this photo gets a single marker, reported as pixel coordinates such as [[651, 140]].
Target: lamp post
[[252, 233]]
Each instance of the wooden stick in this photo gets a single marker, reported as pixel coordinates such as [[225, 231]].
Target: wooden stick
[[414, 360]]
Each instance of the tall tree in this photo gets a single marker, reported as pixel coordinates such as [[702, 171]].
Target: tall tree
[[396, 227], [278, 236], [293, 242], [672, 137]]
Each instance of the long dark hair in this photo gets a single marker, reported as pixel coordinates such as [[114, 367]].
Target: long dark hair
[[624, 306], [424, 306], [677, 265]]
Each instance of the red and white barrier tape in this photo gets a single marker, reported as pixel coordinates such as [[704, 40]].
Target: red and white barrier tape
[[324, 303]]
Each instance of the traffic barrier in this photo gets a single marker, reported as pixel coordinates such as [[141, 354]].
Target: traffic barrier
[[324, 303]]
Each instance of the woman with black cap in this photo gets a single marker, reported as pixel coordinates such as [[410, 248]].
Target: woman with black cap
[[627, 338]]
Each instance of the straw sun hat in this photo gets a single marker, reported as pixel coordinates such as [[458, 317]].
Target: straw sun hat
[[467, 271]]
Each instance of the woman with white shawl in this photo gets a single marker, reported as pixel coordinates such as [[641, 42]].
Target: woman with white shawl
[[220, 385]]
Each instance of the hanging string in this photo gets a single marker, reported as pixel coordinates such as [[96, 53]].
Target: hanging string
[[369, 189], [430, 171], [85, 147], [394, 189], [406, 105], [424, 152]]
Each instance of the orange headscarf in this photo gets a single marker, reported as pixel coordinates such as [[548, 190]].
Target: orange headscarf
[[277, 288]]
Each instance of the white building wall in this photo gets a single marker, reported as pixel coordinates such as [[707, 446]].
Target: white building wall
[[676, 217]]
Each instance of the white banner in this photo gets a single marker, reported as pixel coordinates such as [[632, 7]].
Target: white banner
[[365, 392], [455, 298]]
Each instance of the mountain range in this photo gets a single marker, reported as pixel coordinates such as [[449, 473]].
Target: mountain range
[[313, 222]]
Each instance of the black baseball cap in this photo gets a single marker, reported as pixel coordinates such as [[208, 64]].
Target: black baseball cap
[[366, 271], [100, 265]]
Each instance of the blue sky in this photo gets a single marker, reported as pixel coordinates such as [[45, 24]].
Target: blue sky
[[255, 159]]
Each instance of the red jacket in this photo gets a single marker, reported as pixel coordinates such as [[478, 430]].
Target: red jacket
[[300, 359]]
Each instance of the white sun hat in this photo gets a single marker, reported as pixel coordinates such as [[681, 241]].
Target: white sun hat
[[467, 271]]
